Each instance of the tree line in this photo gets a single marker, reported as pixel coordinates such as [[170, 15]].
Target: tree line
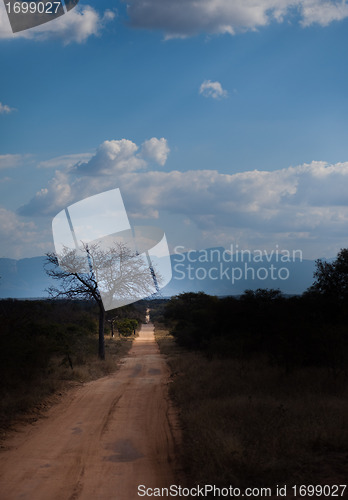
[[306, 330]]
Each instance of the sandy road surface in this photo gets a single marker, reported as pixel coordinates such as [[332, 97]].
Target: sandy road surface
[[102, 440]]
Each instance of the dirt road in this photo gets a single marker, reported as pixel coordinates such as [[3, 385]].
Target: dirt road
[[102, 440]]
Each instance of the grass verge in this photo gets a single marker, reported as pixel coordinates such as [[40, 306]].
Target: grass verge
[[27, 403], [250, 424]]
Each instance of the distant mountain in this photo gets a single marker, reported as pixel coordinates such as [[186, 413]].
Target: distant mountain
[[212, 270], [217, 272], [23, 278]]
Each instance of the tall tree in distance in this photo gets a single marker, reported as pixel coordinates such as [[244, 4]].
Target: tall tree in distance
[[111, 277], [331, 278]]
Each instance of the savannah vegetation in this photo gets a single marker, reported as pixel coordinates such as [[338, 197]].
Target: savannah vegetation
[[261, 382], [47, 345]]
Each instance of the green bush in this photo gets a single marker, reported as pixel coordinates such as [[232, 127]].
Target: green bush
[[127, 327]]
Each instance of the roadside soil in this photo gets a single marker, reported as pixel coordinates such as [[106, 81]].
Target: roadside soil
[[102, 440]]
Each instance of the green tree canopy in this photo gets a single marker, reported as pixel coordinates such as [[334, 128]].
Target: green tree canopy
[[331, 278]]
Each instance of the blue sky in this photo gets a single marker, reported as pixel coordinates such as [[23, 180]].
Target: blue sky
[[224, 122]]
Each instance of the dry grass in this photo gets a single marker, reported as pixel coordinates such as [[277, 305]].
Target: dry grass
[[91, 367], [28, 404], [249, 424]]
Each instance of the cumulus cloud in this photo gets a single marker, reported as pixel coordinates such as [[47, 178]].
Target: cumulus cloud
[[296, 198], [155, 149], [5, 109], [119, 156], [303, 207], [212, 89], [76, 26], [323, 12], [51, 199], [113, 157], [111, 162], [306, 203], [180, 18]]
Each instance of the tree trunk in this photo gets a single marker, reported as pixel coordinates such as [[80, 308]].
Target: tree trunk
[[101, 348]]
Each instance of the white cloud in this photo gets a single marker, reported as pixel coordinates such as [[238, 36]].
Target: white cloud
[[5, 109], [155, 149], [212, 89], [180, 18], [113, 157], [65, 161], [308, 201], [323, 12], [75, 26], [51, 199], [16, 234], [119, 156], [12, 161], [302, 207], [305, 206], [112, 161]]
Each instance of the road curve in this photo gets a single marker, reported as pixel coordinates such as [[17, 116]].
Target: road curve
[[102, 440]]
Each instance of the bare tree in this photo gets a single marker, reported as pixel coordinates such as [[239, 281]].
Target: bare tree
[[112, 322], [112, 277]]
